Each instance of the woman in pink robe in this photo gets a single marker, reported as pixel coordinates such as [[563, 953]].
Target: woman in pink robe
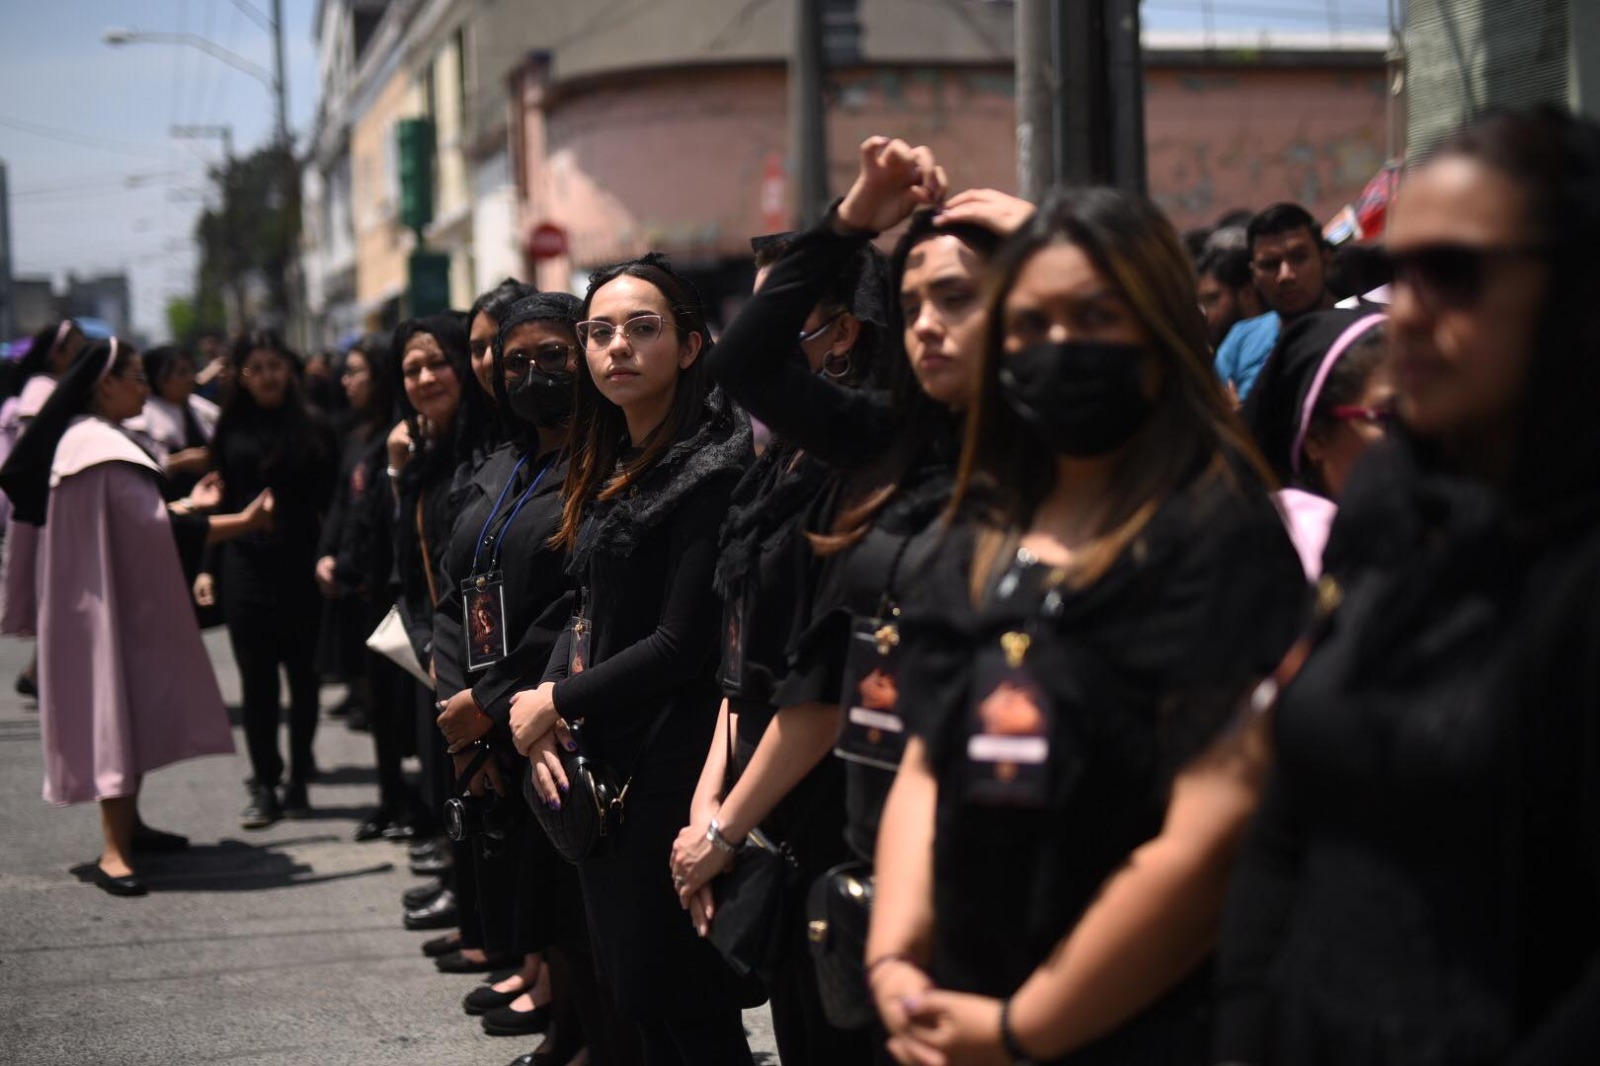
[[125, 684]]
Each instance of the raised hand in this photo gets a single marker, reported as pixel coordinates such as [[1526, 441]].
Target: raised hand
[[992, 209], [894, 180]]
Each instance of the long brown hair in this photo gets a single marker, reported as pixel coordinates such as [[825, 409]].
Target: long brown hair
[[1191, 426], [870, 489], [599, 426]]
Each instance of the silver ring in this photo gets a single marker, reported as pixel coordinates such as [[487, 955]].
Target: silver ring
[[678, 882]]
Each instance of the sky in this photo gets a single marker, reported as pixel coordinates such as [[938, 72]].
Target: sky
[[98, 184]]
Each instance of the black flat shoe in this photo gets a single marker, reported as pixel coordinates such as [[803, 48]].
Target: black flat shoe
[[456, 962], [442, 913], [27, 686], [118, 886], [373, 827], [431, 867], [155, 841], [400, 832], [421, 895], [441, 945], [484, 998], [503, 1021], [425, 849]]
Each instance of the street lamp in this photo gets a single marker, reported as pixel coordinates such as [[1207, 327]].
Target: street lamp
[[272, 79]]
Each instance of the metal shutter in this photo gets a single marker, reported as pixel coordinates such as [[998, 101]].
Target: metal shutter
[[1465, 56]]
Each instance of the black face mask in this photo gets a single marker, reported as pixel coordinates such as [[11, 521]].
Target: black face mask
[[1079, 399], [543, 399]]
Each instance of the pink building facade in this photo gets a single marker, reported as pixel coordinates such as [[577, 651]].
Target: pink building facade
[[689, 160]]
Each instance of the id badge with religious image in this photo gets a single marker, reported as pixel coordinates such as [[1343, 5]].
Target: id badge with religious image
[[484, 599], [874, 733], [733, 629], [1009, 726], [578, 651]]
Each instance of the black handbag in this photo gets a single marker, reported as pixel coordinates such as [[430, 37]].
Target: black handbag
[[751, 900], [838, 912], [751, 897], [586, 824]]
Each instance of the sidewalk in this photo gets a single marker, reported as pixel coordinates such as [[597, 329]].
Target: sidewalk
[[281, 947]]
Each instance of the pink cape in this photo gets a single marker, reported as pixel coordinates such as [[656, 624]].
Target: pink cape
[[125, 685], [1308, 518]]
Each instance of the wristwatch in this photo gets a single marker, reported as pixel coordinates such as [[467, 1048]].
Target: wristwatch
[[715, 838]]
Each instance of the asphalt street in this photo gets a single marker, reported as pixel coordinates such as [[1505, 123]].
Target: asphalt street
[[280, 947]]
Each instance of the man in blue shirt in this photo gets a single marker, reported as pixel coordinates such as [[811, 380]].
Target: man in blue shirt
[[1289, 263]]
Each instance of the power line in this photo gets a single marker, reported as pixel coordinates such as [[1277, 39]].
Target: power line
[[83, 140], [256, 15]]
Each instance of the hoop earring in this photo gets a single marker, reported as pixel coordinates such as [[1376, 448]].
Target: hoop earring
[[831, 361]]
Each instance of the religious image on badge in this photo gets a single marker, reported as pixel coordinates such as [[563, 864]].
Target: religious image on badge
[[878, 691], [486, 631], [1009, 746]]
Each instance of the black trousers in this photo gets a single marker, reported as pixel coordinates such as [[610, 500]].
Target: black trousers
[[389, 689], [264, 639]]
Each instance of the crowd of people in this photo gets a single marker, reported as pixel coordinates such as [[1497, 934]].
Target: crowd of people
[[1056, 640]]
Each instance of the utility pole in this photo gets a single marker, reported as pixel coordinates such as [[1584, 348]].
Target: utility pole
[[280, 90], [1037, 84], [808, 130], [1100, 106]]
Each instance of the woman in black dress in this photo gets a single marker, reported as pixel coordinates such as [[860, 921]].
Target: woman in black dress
[[1420, 887], [656, 455], [266, 439], [762, 577], [353, 564], [446, 420], [505, 600], [890, 458], [1055, 849]]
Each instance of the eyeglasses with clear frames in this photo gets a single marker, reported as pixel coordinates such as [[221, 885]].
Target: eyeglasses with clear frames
[[597, 335]]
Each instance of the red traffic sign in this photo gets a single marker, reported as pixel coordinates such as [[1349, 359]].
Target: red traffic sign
[[547, 241], [774, 194]]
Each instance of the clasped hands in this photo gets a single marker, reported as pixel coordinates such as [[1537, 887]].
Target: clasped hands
[[695, 863], [929, 1026], [540, 733]]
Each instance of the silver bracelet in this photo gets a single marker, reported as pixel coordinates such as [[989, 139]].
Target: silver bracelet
[[717, 840]]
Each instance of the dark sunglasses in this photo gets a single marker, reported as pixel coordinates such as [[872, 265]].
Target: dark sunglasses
[[550, 358], [1451, 277]]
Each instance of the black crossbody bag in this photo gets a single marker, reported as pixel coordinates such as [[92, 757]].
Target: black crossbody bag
[[587, 823], [752, 898]]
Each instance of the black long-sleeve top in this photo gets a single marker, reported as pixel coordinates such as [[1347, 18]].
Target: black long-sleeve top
[[1135, 675], [1422, 885], [295, 458], [537, 594], [430, 488], [755, 361], [361, 463], [849, 429], [645, 560]]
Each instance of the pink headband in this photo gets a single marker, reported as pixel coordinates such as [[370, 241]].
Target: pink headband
[[110, 362], [61, 334], [1340, 346]]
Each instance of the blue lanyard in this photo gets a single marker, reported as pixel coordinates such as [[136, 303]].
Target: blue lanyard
[[526, 494]]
